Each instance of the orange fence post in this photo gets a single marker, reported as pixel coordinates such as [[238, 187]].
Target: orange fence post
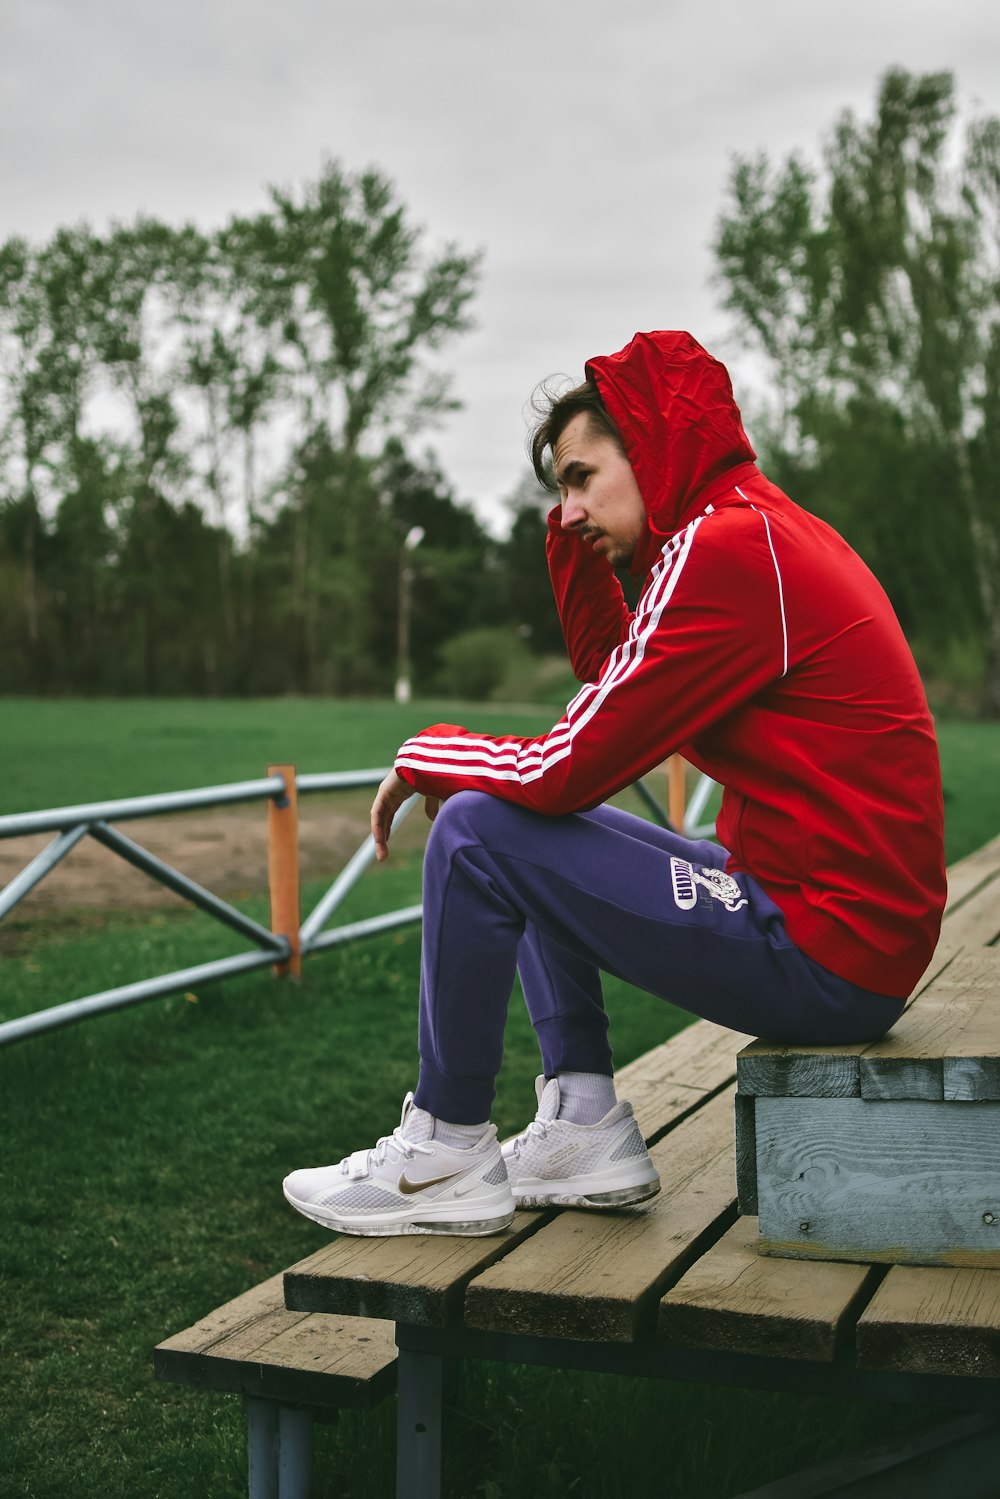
[[676, 791], [283, 867]]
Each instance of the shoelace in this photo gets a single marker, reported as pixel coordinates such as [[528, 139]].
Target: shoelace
[[360, 1162], [536, 1127]]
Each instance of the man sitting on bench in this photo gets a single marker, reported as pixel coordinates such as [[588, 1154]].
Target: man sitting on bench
[[763, 650]]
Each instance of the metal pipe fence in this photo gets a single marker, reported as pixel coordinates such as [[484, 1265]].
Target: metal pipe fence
[[288, 941], [274, 948]]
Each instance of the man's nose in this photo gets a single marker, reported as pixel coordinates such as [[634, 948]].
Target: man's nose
[[572, 513]]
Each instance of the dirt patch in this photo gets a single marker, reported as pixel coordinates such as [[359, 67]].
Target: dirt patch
[[223, 848]]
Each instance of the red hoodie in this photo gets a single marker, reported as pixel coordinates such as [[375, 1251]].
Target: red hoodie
[[765, 652]]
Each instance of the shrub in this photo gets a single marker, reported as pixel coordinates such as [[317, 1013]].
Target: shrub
[[477, 663]]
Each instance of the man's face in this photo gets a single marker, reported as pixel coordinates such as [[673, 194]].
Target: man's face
[[601, 502]]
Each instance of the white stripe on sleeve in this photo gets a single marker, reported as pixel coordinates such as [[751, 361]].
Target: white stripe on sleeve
[[455, 754]]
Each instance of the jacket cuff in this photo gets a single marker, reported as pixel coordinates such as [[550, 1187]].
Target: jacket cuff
[[406, 774]]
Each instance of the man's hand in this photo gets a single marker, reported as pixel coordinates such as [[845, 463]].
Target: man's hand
[[389, 797]]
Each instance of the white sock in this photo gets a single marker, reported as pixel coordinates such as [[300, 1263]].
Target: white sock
[[585, 1097], [459, 1136]]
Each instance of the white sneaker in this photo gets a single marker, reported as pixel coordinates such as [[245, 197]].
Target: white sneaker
[[554, 1162], [409, 1183]]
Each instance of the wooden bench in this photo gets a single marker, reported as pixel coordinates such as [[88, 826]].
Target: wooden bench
[[675, 1289], [290, 1367]]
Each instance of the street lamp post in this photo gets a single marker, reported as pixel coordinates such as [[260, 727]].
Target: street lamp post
[[412, 540]]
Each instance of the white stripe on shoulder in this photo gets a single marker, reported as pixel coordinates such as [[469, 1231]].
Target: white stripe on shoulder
[[777, 571]]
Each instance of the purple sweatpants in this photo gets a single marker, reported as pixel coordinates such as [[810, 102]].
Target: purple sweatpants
[[560, 898]]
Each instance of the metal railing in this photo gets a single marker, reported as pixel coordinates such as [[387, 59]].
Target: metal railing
[[289, 941], [281, 949]]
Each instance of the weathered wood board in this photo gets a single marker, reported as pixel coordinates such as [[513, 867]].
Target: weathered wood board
[[933, 1322], [766, 1070], [597, 1275], [970, 875], [735, 1300], [907, 1181], [413, 1278], [254, 1346], [953, 1028], [673, 1079]]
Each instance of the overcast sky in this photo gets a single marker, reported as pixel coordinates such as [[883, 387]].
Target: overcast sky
[[583, 144]]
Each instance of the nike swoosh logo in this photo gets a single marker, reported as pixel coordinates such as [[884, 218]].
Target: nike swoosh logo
[[407, 1187], [464, 1191]]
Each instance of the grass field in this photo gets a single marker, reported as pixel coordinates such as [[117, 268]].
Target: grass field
[[139, 1185]]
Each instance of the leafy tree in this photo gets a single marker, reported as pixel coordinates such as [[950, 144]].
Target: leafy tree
[[871, 287], [196, 490], [229, 367], [339, 270]]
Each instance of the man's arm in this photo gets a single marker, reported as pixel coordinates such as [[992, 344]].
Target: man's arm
[[707, 635], [592, 611]]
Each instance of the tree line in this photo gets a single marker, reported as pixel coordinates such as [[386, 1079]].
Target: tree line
[[206, 464], [207, 461]]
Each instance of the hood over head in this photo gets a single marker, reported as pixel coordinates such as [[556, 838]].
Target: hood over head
[[673, 405]]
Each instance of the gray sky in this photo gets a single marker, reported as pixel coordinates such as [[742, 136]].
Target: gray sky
[[584, 144]]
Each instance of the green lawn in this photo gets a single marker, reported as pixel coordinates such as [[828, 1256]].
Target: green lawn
[[139, 1186], [58, 753]]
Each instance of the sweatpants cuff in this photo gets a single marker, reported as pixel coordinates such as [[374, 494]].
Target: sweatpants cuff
[[567, 1046], [457, 1100]]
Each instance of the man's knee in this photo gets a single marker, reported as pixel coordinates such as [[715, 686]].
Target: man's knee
[[466, 818]]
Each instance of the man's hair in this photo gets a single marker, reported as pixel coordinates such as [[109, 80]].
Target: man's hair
[[554, 413]]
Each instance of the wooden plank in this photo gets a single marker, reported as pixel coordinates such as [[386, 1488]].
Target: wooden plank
[[668, 1082], [769, 1071], [597, 1276], [702, 1055], [933, 1321], [412, 1278], [735, 1300], [342, 1361], [971, 1063], [975, 924], [972, 874], [346, 1348], [908, 1063], [255, 1346], [243, 1313], [904, 1181]]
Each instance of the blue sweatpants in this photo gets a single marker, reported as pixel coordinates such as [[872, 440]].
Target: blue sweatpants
[[558, 900]]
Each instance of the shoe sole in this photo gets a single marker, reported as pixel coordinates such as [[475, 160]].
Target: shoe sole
[[466, 1228], [565, 1197]]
